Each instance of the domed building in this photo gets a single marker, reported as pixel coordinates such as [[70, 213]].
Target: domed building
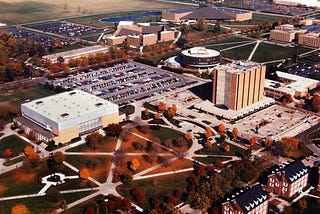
[[200, 57]]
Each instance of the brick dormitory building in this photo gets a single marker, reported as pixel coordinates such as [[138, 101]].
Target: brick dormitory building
[[250, 201], [289, 179]]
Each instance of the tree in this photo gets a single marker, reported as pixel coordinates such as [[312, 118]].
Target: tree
[[53, 195], [7, 153], [303, 204], [126, 203], [154, 203], [138, 195], [208, 143], [28, 150], [235, 132], [188, 136], [221, 127], [138, 145], [227, 148], [208, 132], [20, 209], [268, 142], [93, 140], [202, 24], [113, 130], [135, 164], [126, 178], [219, 164], [316, 102], [253, 140], [84, 173], [162, 106], [58, 157]]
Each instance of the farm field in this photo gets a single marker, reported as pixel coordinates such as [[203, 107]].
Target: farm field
[[17, 11]]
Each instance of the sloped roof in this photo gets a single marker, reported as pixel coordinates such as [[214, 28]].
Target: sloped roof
[[183, 10], [294, 171], [208, 13], [126, 31], [252, 198]]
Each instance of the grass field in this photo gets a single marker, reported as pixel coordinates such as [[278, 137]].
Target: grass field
[[13, 142], [219, 150], [158, 187], [40, 204], [227, 43], [210, 159], [242, 52], [19, 11], [269, 52], [20, 96]]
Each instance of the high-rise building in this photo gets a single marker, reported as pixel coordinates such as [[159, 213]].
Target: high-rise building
[[237, 85]]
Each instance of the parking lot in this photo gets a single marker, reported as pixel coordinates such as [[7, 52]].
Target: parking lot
[[305, 70], [67, 29], [267, 6], [126, 82], [47, 41]]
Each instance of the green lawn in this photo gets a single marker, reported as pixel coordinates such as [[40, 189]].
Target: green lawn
[[158, 187], [107, 145], [210, 159], [242, 52], [15, 143], [40, 204], [219, 150], [102, 165], [89, 203], [149, 106], [22, 95], [227, 43], [269, 52], [164, 134], [19, 182]]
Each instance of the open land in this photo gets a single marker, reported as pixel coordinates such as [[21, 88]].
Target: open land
[[17, 11]]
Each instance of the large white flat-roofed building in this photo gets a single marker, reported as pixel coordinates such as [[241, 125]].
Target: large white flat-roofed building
[[291, 84], [65, 116], [308, 3]]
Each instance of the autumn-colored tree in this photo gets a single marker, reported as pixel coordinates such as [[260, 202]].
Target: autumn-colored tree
[[219, 164], [157, 116], [58, 157], [135, 164], [170, 112], [113, 129], [188, 136], [20, 209], [126, 203], [84, 173], [290, 142], [178, 193], [146, 112], [138, 195], [209, 132], [316, 102], [162, 106], [253, 140], [235, 132], [93, 140], [126, 178], [28, 150], [227, 148], [303, 204], [208, 143], [202, 24], [268, 142], [7, 153], [221, 127], [174, 108], [7, 110]]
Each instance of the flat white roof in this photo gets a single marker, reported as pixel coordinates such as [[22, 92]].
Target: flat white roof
[[299, 83], [124, 23], [233, 114], [238, 67], [200, 52], [69, 105]]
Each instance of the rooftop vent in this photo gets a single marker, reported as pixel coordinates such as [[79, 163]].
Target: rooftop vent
[[64, 115], [72, 93], [39, 102], [99, 104]]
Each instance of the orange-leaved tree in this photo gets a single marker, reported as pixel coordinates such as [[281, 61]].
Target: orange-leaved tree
[[227, 148], [208, 132], [221, 127], [188, 136], [20, 209], [208, 143], [135, 164], [84, 173], [235, 132], [253, 140], [162, 106]]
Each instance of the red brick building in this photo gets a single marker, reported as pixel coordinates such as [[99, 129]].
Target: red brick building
[[250, 201], [288, 180]]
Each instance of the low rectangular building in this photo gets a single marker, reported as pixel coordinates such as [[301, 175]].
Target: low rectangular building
[[63, 117], [253, 201], [310, 39], [289, 179]]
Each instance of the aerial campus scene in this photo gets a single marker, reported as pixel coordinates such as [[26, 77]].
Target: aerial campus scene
[[160, 106]]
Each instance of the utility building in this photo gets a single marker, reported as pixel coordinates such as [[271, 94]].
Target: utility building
[[65, 116]]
